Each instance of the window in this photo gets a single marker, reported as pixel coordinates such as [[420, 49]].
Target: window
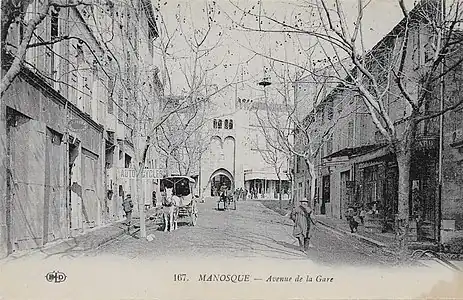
[[54, 33], [225, 126], [329, 145], [215, 123], [110, 98], [219, 124], [128, 160], [350, 133], [230, 124]]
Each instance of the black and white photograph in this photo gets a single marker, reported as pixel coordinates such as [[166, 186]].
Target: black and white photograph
[[231, 149]]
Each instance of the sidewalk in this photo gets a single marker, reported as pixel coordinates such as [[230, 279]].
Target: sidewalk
[[74, 245], [386, 241], [383, 240], [91, 239]]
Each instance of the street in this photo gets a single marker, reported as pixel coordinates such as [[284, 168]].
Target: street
[[252, 243], [251, 231]]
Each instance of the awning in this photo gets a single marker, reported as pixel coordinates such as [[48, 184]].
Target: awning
[[355, 152], [264, 176]]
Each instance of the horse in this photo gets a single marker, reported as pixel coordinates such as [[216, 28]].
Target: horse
[[171, 202]]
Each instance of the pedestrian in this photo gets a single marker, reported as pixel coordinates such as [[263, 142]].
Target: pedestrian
[[350, 216], [128, 207], [302, 218], [224, 194]]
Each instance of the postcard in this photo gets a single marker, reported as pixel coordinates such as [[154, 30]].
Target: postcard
[[231, 149]]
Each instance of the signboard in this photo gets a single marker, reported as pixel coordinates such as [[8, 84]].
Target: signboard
[[77, 125], [128, 173]]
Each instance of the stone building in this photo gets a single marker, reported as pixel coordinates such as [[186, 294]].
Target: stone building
[[354, 165], [233, 156], [64, 127]]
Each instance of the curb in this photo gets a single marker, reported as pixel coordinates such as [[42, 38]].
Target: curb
[[356, 235]]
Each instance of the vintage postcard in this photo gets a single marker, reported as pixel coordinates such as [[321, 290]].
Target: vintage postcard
[[231, 149]]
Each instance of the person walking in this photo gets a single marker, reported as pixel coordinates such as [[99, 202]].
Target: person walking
[[127, 205], [302, 218], [224, 194]]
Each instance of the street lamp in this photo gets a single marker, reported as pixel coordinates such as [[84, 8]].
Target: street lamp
[[265, 82]]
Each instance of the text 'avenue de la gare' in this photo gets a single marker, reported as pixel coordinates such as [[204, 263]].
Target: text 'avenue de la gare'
[[239, 278]]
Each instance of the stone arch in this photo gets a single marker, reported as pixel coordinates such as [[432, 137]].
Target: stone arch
[[219, 173], [216, 139]]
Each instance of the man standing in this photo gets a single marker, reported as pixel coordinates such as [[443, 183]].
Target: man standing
[[127, 205], [301, 215], [224, 194]]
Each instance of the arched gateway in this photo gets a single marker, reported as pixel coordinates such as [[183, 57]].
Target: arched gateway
[[219, 177]]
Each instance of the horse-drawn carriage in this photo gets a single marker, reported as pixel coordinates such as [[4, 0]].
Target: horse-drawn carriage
[[179, 200], [226, 200]]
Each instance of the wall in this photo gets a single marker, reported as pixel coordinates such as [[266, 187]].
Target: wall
[[452, 185], [36, 207]]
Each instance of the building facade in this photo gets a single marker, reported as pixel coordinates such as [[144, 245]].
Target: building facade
[[356, 168], [65, 132], [234, 156]]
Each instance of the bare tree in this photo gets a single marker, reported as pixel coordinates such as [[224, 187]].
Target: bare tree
[[289, 132], [383, 72], [183, 139], [190, 52], [24, 17]]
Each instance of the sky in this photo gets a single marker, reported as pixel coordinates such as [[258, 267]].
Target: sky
[[235, 55]]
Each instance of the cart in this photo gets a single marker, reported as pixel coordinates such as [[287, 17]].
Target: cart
[[225, 202], [183, 188]]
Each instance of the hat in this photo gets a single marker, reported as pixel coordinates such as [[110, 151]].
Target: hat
[[304, 200]]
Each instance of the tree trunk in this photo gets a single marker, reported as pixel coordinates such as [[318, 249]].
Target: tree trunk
[[141, 203], [312, 174], [279, 192], [404, 166]]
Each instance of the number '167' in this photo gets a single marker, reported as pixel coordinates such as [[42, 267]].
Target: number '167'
[[180, 277]]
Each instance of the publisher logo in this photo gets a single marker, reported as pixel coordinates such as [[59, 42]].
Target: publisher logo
[[55, 277]]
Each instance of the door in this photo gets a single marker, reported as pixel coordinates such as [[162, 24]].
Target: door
[[25, 182], [55, 217], [325, 193], [89, 195], [344, 192]]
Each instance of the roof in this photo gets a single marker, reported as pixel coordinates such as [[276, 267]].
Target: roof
[[357, 151]]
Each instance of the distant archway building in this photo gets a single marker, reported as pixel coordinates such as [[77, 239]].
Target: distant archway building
[[231, 157]]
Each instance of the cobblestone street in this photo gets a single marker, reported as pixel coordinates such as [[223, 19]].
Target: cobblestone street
[[251, 231]]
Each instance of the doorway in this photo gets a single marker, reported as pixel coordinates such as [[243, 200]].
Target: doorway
[[217, 181], [325, 193], [344, 192]]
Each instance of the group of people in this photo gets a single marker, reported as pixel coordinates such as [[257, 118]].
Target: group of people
[[238, 194]]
